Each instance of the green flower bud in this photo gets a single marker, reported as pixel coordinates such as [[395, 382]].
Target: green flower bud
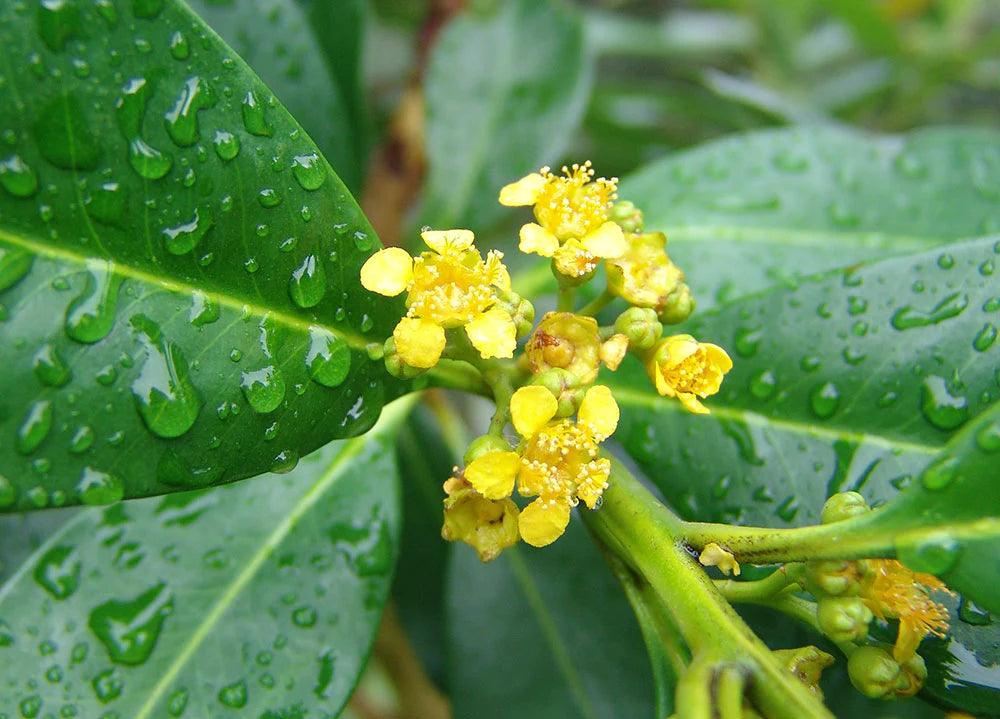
[[641, 326], [568, 280], [521, 311], [806, 663], [843, 619], [395, 365], [844, 505], [874, 672], [678, 305], [914, 673], [627, 215], [484, 445], [832, 577], [564, 386]]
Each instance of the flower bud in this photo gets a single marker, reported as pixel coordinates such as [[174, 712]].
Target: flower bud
[[832, 577], [489, 526], [395, 365], [484, 445], [564, 386], [521, 312], [844, 505], [627, 215], [806, 663], [641, 326], [677, 306], [874, 672], [914, 673], [566, 341], [843, 619]]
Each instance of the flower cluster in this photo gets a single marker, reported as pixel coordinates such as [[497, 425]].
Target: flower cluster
[[460, 308]]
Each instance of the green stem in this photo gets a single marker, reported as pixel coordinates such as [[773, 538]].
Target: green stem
[[763, 589], [597, 304], [453, 374], [647, 536], [565, 298], [499, 379], [694, 690], [729, 688]]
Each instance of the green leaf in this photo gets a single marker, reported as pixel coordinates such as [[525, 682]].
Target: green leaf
[[24, 533], [286, 43], [167, 332], [544, 633], [771, 207], [495, 109], [262, 597]]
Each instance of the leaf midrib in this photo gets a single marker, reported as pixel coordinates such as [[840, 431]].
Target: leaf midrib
[[125, 271]]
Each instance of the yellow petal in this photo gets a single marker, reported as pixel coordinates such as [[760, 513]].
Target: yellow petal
[[493, 333], [419, 342], [523, 192], [530, 408], [543, 522], [535, 239], [718, 357], [607, 241], [599, 410], [388, 272], [613, 351], [440, 240], [497, 271], [692, 404], [676, 348], [492, 475]]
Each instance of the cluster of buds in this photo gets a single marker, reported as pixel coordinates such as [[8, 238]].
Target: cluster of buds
[[460, 307], [851, 594]]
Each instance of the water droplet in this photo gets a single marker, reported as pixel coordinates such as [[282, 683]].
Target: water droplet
[[328, 358], [842, 215], [971, 613], [17, 178], [107, 204], [97, 487], [58, 20], [763, 384], [254, 117], [14, 265], [309, 171], [951, 306], [50, 368], [90, 317], [988, 438], [788, 509], [129, 628], [987, 268], [741, 203], [147, 9], [81, 440], [264, 389], [227, 145], [946, 261], [234, 695], [308, 282], [304, 617], [824, 400], [856, 305], [58, 571], [8, 495], [268, 197], [940, 407], [64, 134], [107, 10], [285, 461], [790, 161], [747, 341], [935, 554], [183, 238], [30, 706], [941, 473], [365, 543], [204, 309], [910, 166], [147, 161], [985, 337], [163, 393], [35, 427], [179, 47], [182, 119]]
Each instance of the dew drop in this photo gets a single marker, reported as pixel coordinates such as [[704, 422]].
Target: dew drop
[[14, 265], [985, 337], [36, 426], [940, 407], [8, 495], [254, 117], [163, 393], [90, 317], [179, 47], [147, 161], [17, 178], [951, 306], [309, 171], [147, 9], [97, 487], [935, 554], [64, 135], [971, 613], [304, 617], [946, 261], [264, 389], [234, 695], [285, 461], [108, 685], [130, 628], [747, 341], [763, 384], [184, 237], [58, 20], [308, 282], [328, 358], [81, 440], [50, 368], [107, 204], [227, 145], [268, 197], [182, 119], [824, 400], [941, 473], [204, 309], [58, 571], [988, 438]]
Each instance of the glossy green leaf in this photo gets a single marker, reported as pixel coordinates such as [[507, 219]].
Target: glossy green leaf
[[179, 293], [771, 207], [285, 42], [544, 633], [495, 109], [23, 533], [261, 597]]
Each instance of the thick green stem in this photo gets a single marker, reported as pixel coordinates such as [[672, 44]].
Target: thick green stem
[[694, 690], [729, 688], [761, 590], [597, 304], [565, 298], [452, 374], [647, 536]]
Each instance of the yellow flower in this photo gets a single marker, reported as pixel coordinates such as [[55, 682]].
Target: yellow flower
[[892, 591], [560, 459], [488, 526], [573, 213], [564, 340], [450, 286], [684, 368], [644, 275]]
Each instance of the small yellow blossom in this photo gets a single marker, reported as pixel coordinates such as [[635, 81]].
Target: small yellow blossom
[[715, 556], [684, 368], [644, 275], [564, 340], [450, 286], [892, 591], [488, 526], [573, 213]]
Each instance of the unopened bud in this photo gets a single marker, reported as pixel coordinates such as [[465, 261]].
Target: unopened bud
[[641, 326], [484, 445], [832, 577], [843, 619], [806, 663], [521, 311], [913, 675], [678, 305], [874, 672], [564, 386], [844, 505], [627, 215], [395, 365]]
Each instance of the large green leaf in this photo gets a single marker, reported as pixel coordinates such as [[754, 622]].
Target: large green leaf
[[771, 207], [495, 108], [544, 633], [179, 287], [284, 41], [261, 597]]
